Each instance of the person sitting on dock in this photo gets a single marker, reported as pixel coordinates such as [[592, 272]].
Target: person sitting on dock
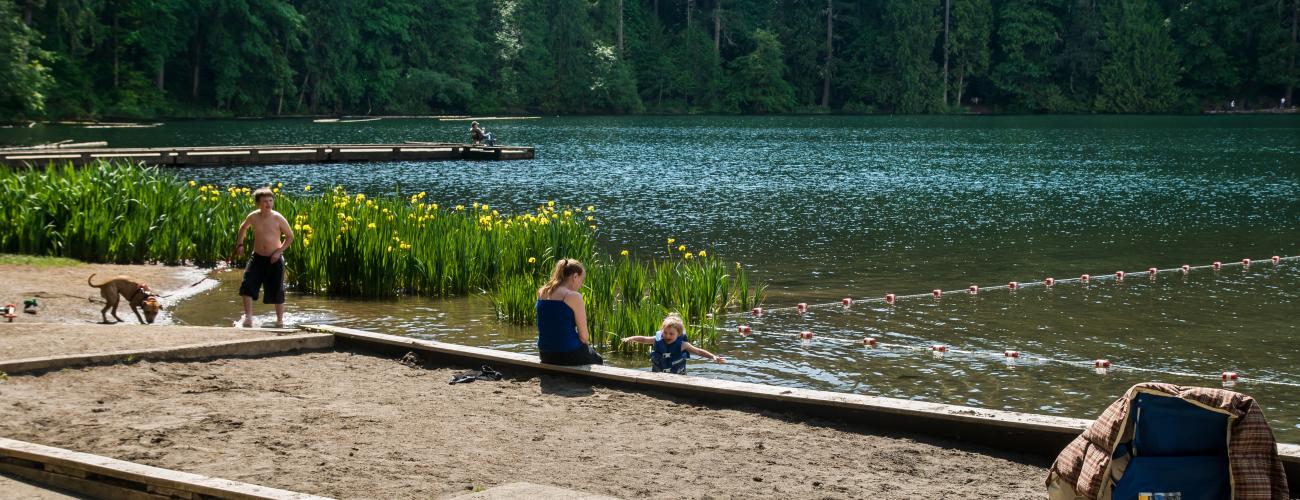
[[562, 337], [489, 139], [671, 349], [475, 133]]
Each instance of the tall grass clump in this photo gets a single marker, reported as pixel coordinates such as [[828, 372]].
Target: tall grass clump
[[626, 297], [350, 245]]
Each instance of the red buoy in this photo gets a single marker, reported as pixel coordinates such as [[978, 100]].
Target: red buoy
[[1119, 275], [846, 301], [1229, 379], [1084, 278], [757, 311], [1218, 265], [744, 330], [1049, 281], [889, 298], [1011, 354], [1013, 285], [1245, 262], [1276, 259], [936, 292], [1152, 271], [939, 348], [974, 289], [1186, 268], [1101, 363], [802, 307], [869, 342], [806, 335]]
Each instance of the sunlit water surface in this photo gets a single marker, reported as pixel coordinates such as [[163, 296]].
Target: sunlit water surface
[[828, 207]]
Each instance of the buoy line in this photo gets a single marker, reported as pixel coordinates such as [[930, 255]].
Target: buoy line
[[891, 298], [1101, 366]]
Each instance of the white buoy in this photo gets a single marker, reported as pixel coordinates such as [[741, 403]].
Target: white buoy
[[1049, 281], [936, 292], [846, 301], [1013, 285], [1119, 275], [1218, 265], [1186, 268], [757, 311], [974, 289], [889, 298], [802, 307], [744, 330], [869, 342], [1277, 259], [1084, 278], [1229, 379]]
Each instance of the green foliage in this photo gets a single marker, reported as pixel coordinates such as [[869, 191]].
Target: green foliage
[[758, 86], [147, 58], [1141, 70], [24, 78]]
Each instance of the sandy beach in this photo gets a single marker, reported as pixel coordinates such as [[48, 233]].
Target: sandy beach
[[356, 425]]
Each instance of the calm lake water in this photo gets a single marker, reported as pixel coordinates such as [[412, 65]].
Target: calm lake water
[[829, 207]]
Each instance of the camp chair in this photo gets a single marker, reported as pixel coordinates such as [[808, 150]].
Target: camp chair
[[1176, 446], [1163, 438]]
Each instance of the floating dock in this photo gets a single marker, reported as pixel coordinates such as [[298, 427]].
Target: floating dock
[[267, 155]]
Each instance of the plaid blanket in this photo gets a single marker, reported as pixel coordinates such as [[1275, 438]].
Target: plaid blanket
[[1081, 469]]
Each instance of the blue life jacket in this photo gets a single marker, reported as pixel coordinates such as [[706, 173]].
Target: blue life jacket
[[667, 357]]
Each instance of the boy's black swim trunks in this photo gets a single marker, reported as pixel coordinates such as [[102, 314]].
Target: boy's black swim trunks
[[261, 273]]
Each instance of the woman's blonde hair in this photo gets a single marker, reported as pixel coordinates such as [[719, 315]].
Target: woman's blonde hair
[[563, 269], [673, 320]]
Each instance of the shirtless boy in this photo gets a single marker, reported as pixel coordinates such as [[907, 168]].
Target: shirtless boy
[[265, 268]]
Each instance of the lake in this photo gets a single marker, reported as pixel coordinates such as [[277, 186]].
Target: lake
[[826, 207]]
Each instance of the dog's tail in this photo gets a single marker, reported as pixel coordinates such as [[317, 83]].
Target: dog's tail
[[91, 283]]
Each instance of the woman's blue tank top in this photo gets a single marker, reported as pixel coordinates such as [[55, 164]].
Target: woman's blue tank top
[[557, 330]]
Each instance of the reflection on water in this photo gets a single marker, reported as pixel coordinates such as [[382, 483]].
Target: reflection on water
[[827, 207]]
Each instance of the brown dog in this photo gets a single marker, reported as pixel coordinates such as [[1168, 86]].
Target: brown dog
[[137, 294]]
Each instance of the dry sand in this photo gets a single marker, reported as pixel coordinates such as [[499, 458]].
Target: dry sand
[[358, 426], [64, 296]]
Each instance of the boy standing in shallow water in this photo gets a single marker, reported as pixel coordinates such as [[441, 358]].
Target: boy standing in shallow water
[[265, 268], [670, 347]]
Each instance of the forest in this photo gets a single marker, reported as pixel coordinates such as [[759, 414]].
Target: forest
[[242, 58]]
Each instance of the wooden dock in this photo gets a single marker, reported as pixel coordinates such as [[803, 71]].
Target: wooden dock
[[267, 155]]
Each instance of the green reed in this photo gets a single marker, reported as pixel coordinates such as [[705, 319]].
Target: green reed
[[626, 297]]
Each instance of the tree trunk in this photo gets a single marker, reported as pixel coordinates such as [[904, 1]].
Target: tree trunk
[[690, 5], [302, 94], [116, 52], [830, 54], [161, 74], [961, 78], [27, 12], [717, 26], [947, 6], [1290, 69], [198, 57], [620, 29]]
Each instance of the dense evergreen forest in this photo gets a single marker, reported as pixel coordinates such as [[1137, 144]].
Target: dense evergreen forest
[[177, 58]]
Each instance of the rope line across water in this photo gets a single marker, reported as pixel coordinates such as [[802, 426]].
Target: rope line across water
[[1101, 277], [1021, 356]]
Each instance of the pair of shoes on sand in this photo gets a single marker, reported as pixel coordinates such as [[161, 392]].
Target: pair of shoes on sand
[[485, 373]]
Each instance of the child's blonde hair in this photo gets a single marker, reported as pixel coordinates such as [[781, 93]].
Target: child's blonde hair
[[675, 321]]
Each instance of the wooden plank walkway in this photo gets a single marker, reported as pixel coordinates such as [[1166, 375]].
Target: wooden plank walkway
[[267, 154]]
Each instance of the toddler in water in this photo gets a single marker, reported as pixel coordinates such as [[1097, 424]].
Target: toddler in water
[[670, 347]]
